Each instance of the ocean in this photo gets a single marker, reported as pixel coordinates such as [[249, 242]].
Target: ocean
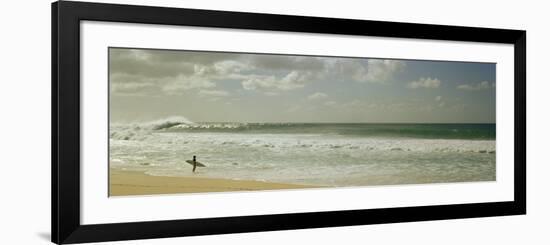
[[325, 154]]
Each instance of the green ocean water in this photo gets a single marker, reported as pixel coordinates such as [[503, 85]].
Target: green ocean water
[[421, 131]]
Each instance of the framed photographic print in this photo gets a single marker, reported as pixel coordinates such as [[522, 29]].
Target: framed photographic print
[[177, 122]]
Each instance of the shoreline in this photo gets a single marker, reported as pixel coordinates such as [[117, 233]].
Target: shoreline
[[129, 183]]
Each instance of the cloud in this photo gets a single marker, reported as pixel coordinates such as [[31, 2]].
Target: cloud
[[156, 72], [292, 80], [142, 63], [128, 84], [330, 103], [230, 67], [348, 69], [177, 85], [131, 89], [475, 87], [159, 56], [354, 69], [172, 72], [439, 101], [317, 96], [287, 62], [371, 70], [383, 70], [425, 83], [213, 93]]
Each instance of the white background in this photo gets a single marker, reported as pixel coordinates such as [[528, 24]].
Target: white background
[[25, 124]]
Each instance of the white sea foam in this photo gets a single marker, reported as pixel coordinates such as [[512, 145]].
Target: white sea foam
[[142, 130], [301, 158]]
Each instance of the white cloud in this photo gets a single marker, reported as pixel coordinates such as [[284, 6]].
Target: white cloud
[[439, 101], [348, 69], [131, 88], [371, 70], [258, 82], [213, 93], [285, 63], [317, 96], [383, 70], [425, 83], [181, 83], [330, 103], [475, 87], [231, 67], [171, 72], [293, 80], [125, 84]]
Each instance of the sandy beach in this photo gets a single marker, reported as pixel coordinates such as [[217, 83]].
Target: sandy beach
[[126, 183]]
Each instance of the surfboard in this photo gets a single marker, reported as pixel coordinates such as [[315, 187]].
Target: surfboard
[[198, 163]]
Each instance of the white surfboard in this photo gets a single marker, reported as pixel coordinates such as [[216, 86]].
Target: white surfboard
[[198, 163]]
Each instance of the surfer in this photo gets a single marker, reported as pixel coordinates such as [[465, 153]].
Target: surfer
[[194, 163]]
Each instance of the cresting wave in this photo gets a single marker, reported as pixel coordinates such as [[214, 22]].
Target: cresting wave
[[417, 131], [142, 130]]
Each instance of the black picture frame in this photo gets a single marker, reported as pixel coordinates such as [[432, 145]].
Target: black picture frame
[[65, 167]]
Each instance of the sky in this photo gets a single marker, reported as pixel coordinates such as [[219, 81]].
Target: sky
[[201, 86]]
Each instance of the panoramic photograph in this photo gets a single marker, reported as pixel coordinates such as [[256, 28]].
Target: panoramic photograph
[[185, 121]]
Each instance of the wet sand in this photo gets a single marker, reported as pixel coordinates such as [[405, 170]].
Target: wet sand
[[126, 183]]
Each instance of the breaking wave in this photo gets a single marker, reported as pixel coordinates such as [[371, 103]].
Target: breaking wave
[[420, 131], [167, 122], [142, 130]]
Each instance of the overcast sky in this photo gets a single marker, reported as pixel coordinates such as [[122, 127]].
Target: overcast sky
[[237, 87]]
